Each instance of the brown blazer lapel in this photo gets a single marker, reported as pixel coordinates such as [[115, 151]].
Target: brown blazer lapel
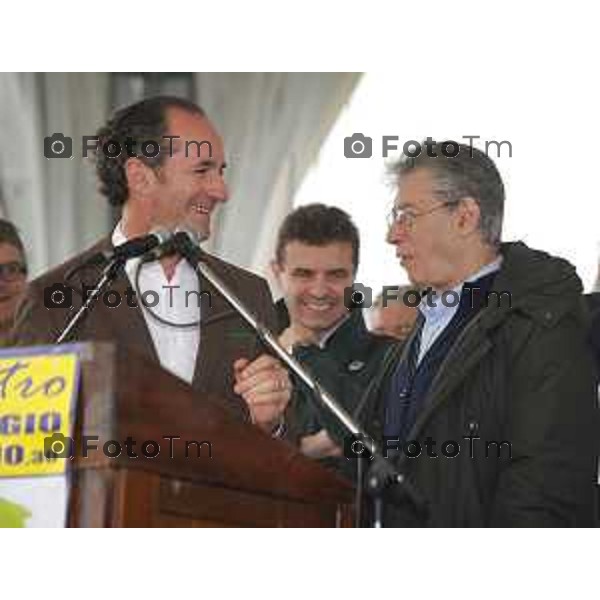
[[213, 320], [123, 323], [225, 336], [128, 324]]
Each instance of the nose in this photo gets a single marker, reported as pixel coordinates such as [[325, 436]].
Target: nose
[[319, 287], [217, 189], [396, 234]]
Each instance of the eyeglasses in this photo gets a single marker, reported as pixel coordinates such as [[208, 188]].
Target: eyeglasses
[[408, 217], [12, 271]]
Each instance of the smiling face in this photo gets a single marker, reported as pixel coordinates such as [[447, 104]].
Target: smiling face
[[430, 249], [313, 279], [188, 185]]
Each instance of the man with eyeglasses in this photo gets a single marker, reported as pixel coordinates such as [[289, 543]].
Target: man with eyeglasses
[[489, 409], [13, 276]]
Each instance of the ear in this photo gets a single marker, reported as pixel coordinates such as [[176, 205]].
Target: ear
[[468, 215], [140, 177]]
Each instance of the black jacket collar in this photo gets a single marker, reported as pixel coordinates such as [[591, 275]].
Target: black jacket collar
[[351, 333]]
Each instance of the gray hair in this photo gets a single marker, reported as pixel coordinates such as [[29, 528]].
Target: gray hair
[[469, 173]]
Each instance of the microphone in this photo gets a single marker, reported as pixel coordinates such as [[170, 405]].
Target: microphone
[[141, 245], [114, 262], [185, 242]]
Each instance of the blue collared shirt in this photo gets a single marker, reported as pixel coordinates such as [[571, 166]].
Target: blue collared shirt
[[438, 317]]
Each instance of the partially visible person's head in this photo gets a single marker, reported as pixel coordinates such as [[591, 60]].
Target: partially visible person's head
[[182, 184], [13, 273], [396, 319], [316, 258], [448, 214]]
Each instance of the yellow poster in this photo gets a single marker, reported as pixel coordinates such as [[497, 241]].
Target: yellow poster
[[38, 389]]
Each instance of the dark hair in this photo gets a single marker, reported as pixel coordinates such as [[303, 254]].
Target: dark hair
[[143, 121], [318, 225], [9, 234], [470, 173]]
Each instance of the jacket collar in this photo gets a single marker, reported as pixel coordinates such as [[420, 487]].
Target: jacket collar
[[131, 320], [346, 335], [531, 282]]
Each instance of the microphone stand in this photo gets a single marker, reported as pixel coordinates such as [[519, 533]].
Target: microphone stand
[[381, 476], [109, 273], [271, 341], [135, 247]]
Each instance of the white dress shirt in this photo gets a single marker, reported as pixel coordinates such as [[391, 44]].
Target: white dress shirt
[[438, 317], [177, 346]]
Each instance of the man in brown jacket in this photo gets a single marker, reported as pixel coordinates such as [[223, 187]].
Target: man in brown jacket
[[200, 339]]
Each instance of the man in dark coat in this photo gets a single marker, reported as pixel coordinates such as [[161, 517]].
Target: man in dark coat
[[489, 410], [199, 338]]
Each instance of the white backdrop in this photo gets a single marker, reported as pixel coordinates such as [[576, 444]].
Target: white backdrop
[[53, 201], [273, 125]]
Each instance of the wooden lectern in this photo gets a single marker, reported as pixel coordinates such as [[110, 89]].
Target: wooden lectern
[[250, 480]]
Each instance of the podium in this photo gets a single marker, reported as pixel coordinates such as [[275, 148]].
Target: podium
[[212, 470]]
